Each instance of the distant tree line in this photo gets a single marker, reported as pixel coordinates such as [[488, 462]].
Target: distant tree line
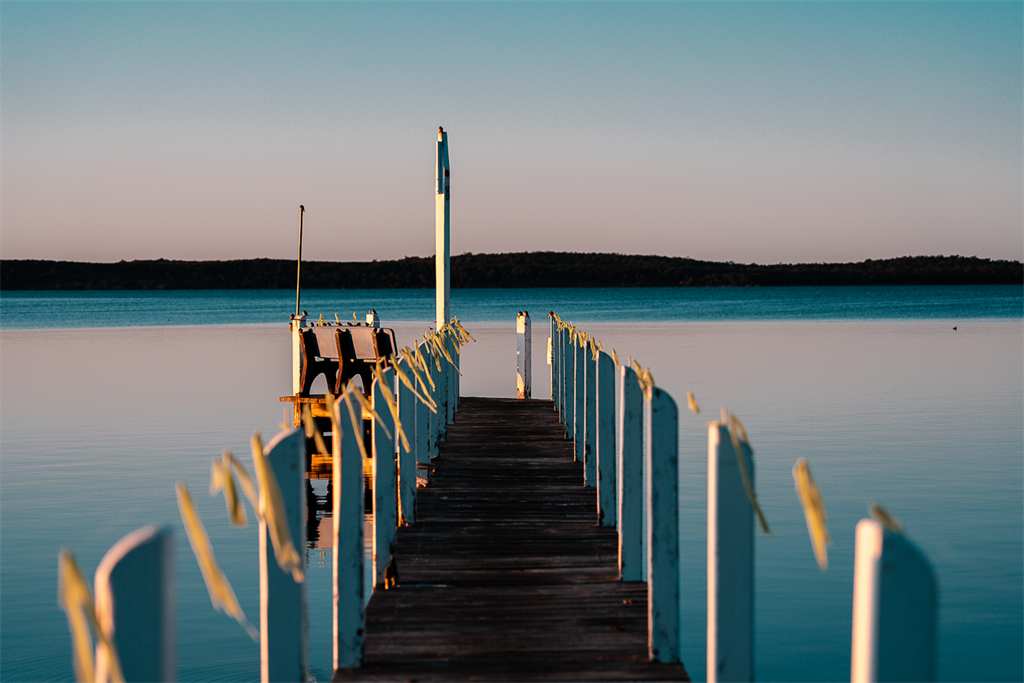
[[534, 269]]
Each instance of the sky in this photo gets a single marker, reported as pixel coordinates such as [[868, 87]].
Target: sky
[[753, 132]]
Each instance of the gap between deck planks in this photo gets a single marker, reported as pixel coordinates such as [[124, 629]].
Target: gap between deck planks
[[506, 575]]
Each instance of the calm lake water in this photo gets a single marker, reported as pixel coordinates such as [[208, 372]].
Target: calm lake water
[[109, 398]]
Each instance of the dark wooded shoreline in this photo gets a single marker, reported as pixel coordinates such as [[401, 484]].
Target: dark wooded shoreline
[[517, 270]]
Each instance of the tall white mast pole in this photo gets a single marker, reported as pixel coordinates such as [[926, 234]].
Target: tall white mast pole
[[442, 259]]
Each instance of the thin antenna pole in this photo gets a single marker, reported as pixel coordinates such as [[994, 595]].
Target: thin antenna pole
[[298, 266]]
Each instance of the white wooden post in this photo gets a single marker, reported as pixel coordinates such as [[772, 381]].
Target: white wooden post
[[894, 608], [406, 458], [437, 415], [524, 380], [562, 361], [347, 485], [134, 589], [589, 418], [284, 638], [558, 370], [442, 233], [730, 573], [444, 391], [568, 384], [662, 424], [553, 359], [630, 473], [453, 383], [605, 442], [457, 357], [579, 409], [295, 325], [385, 482], [422, 432]]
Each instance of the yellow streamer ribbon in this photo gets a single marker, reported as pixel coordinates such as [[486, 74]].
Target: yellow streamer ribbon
[[271, 510], [738, 435], [73, 595], [886, 519], [221, 594], [814, 511], [392, 403]]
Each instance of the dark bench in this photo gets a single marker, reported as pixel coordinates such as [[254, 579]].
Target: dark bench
[[342, 353]]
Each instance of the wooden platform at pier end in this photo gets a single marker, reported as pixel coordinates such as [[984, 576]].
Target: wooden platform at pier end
[[506, 576]]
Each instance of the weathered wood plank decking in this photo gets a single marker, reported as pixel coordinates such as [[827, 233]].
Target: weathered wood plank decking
[[506, 576]]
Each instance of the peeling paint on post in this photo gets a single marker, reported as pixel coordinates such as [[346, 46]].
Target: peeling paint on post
[[730, 573], [606, 474], [385, 482], [134, 589], [524, 359], [284, 637], [662, 424], [630, 472], [894, 608], [347, 485]]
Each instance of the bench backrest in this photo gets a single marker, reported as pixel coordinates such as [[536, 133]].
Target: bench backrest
[[357, 343]]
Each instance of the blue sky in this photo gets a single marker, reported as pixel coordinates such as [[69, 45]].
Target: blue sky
[[752, 132]]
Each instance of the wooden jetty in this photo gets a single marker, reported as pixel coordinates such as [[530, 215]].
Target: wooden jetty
[[506, 575], [521, 557]]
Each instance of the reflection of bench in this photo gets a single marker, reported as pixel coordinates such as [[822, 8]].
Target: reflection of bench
[[341, 353]]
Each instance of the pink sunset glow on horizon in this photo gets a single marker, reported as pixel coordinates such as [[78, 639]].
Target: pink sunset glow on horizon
[[768, 133]]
